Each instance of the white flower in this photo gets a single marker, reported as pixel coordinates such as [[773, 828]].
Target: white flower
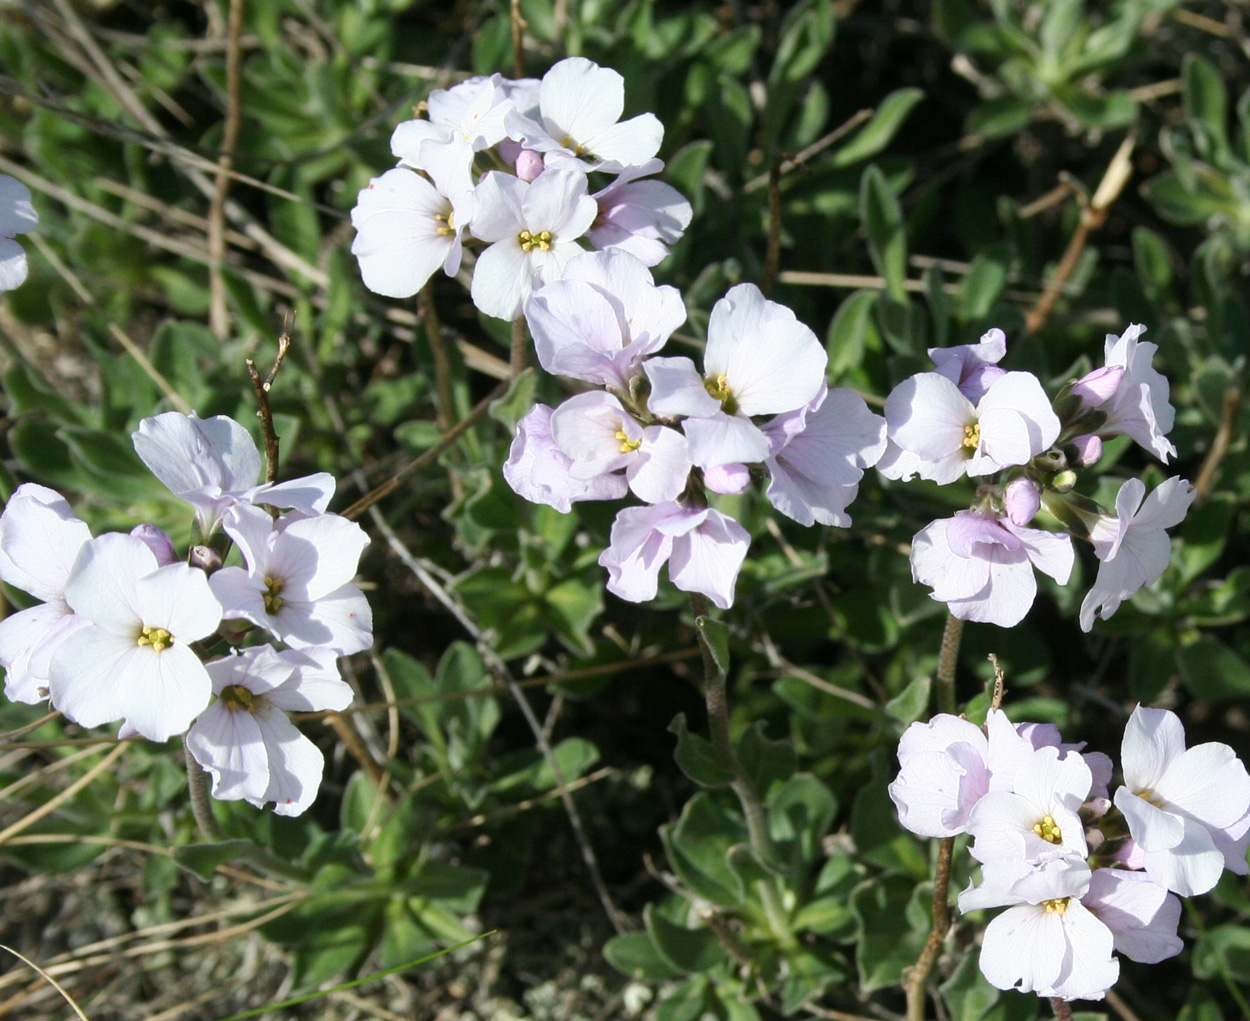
[[1047, 942], [17, 216], [39, 540], [213, 463], [539, 471], [407, 228], [244, 739], [134, 660], [1139, 407], [1141, 915], [1134, 547], [472, 114], [947, 436], [579, 106], [759, 360], [297, 583], [532, 230], [1180, 802], [640, 217], [1036, 820]]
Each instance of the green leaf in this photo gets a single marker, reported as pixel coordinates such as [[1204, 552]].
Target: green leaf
[[882, 218], [766, 762], [1153, 262], [202, 859], [806, 35], [715, 637], [1210, 669], [909, 705], [981, 287], [698, 845], [847, 338], [634, 954], [881, 129], [966, 993], [830, 917], [799, 816], [686, 1001], [360, 804], [687, 950], [1206, 102], [1223, 950], [809, 972], [697, 757], [878, 836], [1204, 534], [888, 943], [1001, 116]]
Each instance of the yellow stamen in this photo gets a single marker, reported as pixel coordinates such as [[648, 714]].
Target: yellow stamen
[[1058, 906], [542, 240], [723, 392], [235, 697], [157, 637], [449, 219], [626, 443], [1048, 830], [273, 601], [972, 436]]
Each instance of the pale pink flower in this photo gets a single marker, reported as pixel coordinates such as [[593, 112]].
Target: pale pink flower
[[642, 218], [17, 216], [539, 471], [1178, 802], [972, 367], [1141, 915], [40, 538], [982, 567], [1134, 547], [1139, 406]]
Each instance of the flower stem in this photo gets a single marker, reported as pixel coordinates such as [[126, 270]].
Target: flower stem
[[753, 810], [918, 974], [948, 660], [201, 805], [1060, 1006]]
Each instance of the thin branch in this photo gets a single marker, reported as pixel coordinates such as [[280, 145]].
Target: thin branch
[[519, 25], [1062, 1011], [218, 314], [1219, 445], [445, 405], [428, 457], [919, 973], [1093, 216], [262, 388], [948, 660], [772, 255], [520, 348], [792, 163], [1000, 689], [52, 804]]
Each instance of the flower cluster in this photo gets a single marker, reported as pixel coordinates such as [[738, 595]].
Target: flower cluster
[[510, 164], [971, 418], [1081, 874], [670, 433], [127, 630]]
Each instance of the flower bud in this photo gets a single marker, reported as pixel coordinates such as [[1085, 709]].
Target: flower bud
[[1088, 449], [728, 479], [1064, 481], [205, 558], [1099, 385], [529, 164], [1023, 499], [158, 542]]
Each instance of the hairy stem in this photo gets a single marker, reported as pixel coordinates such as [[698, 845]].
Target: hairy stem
[[1062, 1011], [201, 805], [948, 660]]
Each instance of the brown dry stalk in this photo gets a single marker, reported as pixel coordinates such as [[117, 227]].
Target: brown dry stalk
[[1220, 444], [1093, 216], [218, 313], [919, 972], [52, 804], [262, 388]]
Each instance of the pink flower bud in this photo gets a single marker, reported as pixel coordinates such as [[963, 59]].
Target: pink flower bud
[[158, 542], [1088, 449], [529, 164], [729, 479], [1099, 385], [1023, 498]]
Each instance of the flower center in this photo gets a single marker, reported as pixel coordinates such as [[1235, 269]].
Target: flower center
[[626, 443], [1058, 906], [1048, 830], [723, 392], [272, 597], [448, 221], [542, 240], [972, 436], [567, 143], [1151, 796], [235, 697], [157, 637]]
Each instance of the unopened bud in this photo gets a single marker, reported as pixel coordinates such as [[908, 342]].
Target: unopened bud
[[158, 542], [205, 558], [1099, 385], [1088, 449], [234, 631], [1064, 481], [529, 164], [1023, 499], [729, 479]]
